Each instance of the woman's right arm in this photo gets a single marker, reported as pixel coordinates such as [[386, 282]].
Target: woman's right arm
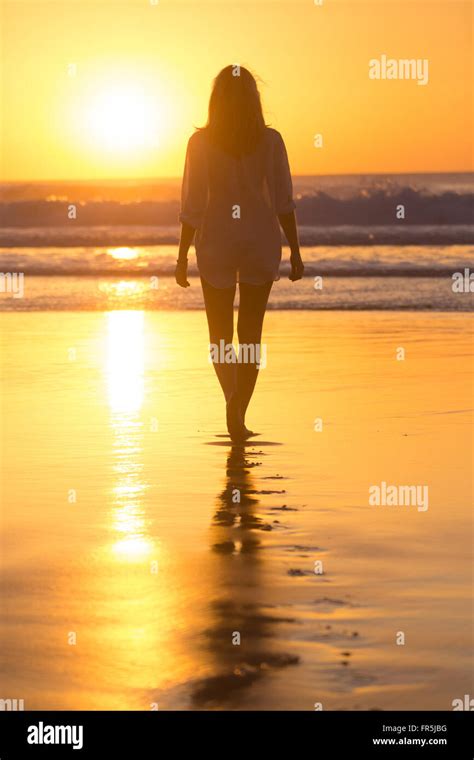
[[285, 207], [288, 225]]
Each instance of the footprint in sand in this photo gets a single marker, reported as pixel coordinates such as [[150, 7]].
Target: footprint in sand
[[264, 493]]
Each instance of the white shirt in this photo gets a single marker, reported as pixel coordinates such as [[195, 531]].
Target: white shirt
[[233, 203]]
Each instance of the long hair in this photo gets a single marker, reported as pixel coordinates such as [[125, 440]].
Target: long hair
[[235, 120]]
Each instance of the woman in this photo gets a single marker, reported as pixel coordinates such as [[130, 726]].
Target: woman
[[236, 190]]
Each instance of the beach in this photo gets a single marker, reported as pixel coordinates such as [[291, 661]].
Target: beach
[[313, 577], [149, 564]]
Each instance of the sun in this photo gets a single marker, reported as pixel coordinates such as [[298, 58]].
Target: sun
[[124, 118]]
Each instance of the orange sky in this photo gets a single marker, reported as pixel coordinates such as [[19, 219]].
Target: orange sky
[[143, 75]]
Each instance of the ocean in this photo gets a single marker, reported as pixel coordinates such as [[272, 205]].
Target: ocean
[[383, 242]]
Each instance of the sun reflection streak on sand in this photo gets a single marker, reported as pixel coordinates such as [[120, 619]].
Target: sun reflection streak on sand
[[125, 368]]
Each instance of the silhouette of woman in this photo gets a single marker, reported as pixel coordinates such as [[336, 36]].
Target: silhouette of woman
[[236, 190]]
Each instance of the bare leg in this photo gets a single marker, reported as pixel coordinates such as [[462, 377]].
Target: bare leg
[[252, 307], [219, 303]]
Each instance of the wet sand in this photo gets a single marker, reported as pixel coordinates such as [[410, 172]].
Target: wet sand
[[122, 529]]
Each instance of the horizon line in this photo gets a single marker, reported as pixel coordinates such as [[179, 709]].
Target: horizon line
[[179, 177]]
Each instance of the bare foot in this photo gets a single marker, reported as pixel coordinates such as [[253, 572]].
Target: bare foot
[[235, 425]]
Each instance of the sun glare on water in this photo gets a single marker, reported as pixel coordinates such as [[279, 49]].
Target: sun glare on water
[[123, 253]]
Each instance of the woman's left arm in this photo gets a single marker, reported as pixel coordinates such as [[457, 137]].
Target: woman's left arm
[[194, 193], [186, 238]]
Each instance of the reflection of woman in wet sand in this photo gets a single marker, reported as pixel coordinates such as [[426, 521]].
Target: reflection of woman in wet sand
[[240, 606], [236, 190]]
